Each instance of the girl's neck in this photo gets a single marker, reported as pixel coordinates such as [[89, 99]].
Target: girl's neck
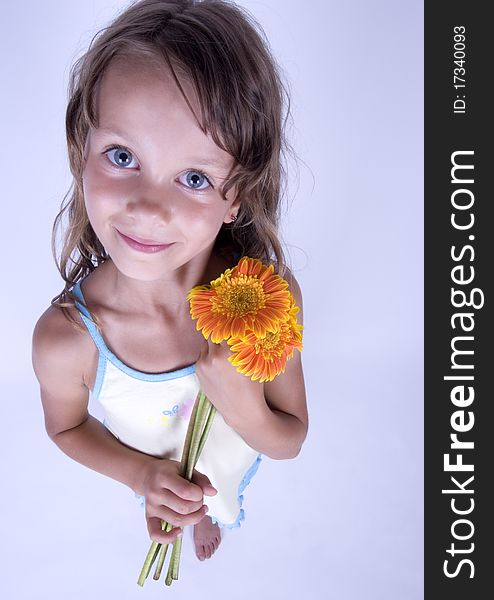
[[153, 298]]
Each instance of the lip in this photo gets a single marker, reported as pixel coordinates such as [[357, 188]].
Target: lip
[[148, 246]]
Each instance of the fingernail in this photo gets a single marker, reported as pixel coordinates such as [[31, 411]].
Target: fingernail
[[207, 508]]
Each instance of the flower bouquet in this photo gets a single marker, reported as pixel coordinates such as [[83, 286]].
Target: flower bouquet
[[252, 309]]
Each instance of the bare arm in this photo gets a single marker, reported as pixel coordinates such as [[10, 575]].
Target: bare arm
[[57, 360], [57, 354], [276, 433], [276, 423], [272, 417], [92, 445]]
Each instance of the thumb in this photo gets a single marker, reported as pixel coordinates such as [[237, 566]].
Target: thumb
[[204, 483], [204, 350]]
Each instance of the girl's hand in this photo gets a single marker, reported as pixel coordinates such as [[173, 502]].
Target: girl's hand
[[233, 394], [170, 497]]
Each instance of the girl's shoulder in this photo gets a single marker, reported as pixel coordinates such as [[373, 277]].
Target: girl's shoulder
[[54, 327], [293, 284], [60, 344], [294, 287], [59, 357]]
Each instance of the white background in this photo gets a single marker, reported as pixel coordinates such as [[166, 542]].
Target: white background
[[344, 520]]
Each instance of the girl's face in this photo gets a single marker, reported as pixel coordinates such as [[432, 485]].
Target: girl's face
[[151, 173]]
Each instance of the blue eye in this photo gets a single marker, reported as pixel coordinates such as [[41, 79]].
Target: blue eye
[[195, 180], [119, 156]]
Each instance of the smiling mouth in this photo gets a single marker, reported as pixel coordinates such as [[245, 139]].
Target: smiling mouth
[[143, 245]]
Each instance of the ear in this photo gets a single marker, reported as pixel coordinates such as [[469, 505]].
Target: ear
[[233, 210]]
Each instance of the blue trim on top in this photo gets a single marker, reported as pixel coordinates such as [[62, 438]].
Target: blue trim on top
[[243, 484], [100, 373], [106, 353]]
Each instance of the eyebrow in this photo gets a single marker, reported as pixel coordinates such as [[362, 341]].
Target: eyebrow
[[113, 131], [199, 161]]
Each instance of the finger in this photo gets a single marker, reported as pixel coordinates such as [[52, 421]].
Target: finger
[[218, 348], [204, 483], [182, 488], [204, 348], [178, 504], [224, 345], [159, 535], [179, 520]]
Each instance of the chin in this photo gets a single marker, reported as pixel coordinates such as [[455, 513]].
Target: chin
[[138, 270]]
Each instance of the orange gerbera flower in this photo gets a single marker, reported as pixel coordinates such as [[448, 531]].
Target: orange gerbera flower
[[292, 319], [264, 358], [248, 297]]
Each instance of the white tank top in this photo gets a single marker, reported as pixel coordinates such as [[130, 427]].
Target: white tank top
[[150, 412]]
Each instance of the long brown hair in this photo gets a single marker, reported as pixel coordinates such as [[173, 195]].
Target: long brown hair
[[245, 105]]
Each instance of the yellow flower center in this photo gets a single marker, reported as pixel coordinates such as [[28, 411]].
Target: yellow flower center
[[240, 296], [270, 341], [271, 345]]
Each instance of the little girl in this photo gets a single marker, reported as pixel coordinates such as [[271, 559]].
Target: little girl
[[175, 133]]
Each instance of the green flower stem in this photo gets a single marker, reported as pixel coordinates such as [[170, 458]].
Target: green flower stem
[[175, 559], [148, 563], [188, 436], [200, 423], [189, 459], [155, 546], [174, 563], [161, 560], [207, 427], [201, 426]]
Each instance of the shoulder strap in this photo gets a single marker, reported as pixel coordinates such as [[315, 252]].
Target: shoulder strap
[[88, 321]]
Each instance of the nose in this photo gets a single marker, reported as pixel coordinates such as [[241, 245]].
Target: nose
[[151, 201]]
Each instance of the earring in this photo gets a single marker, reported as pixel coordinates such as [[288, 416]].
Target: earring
[[234, 218]]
